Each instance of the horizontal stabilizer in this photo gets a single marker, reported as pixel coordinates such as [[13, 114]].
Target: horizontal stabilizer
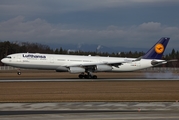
[[174, 60], [156, 63]]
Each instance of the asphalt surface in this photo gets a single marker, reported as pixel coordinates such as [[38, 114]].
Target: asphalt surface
[[83, 80], [90, 111], [87, 110]]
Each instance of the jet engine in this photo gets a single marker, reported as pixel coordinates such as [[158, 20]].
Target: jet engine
[[76, 70], [61, 69], [103, 68]]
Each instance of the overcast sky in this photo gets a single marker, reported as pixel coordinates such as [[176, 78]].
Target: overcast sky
[[128, 23]]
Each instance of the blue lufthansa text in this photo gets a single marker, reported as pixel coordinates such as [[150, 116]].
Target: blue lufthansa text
[[33, 56]]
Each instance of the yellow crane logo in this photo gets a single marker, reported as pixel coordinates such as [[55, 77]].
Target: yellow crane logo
[[159, 48]]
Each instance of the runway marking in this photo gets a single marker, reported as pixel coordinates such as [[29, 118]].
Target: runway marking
[[26, 112]]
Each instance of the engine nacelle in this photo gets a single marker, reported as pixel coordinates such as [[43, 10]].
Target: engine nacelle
[[101, 68], [76, 70], [62, 69]]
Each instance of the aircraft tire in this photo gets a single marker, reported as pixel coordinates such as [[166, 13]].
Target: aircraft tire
[[94, 77], [81, 76], [86, 76]]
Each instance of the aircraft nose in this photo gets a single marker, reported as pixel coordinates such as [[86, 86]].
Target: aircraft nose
[[3, 60]]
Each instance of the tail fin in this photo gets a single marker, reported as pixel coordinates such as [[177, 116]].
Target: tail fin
[[156, 52]]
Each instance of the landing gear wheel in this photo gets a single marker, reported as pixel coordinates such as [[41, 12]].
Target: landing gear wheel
[[94, 77], [19, 73], [81, 76], [87, 76]]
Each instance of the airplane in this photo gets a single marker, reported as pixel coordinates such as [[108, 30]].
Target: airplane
[[85, 66]]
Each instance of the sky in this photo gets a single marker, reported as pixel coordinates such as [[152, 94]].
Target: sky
[[127, 23]]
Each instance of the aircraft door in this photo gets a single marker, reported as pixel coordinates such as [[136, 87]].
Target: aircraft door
[[18, 58], [136, 63], [51, 60]]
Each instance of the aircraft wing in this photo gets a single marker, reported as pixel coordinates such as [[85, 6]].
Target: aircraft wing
[[116, 64]]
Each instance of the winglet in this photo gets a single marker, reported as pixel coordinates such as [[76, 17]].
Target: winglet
[[156, 52]]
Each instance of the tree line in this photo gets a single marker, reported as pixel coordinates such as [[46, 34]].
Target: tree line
[[7, 48]]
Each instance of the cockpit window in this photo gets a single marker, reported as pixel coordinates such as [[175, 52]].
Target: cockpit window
[[8, 57]]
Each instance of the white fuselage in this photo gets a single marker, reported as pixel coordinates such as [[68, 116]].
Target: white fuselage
[[63, 62]]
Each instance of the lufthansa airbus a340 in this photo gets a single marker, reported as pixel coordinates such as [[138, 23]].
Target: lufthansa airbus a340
[[85, 66]]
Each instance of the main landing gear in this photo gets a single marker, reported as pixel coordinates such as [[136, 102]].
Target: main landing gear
[[87, 76]]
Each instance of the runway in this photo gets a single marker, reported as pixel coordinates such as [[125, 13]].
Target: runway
[[41, 98], [94, 116], [90, 111], [27, 74], [83, 80]]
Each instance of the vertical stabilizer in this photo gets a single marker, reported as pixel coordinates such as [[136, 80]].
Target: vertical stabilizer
[[156, 52]]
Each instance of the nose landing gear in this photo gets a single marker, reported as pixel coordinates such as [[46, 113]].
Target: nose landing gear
[[18, 72]]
